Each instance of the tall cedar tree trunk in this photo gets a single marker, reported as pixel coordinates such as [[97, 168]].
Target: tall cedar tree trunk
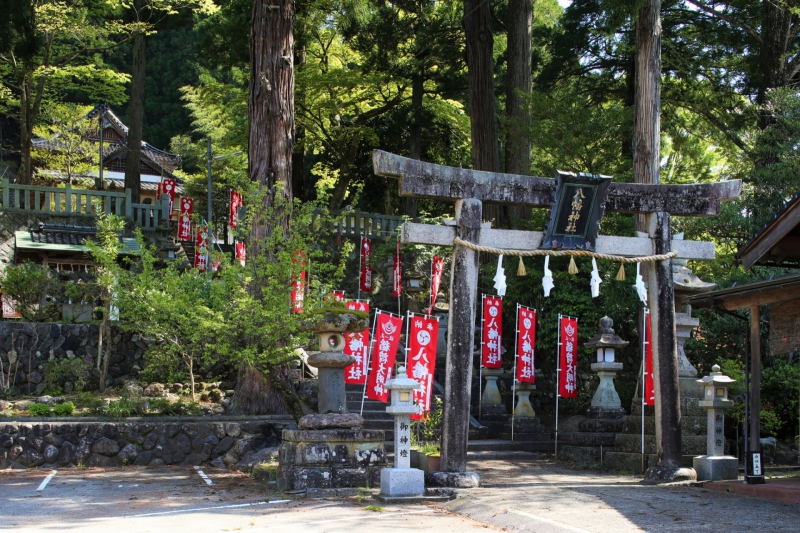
[[646, 155], [133, 156], [415, 133], [271, 110], [300, 189], [520, 80], [482, 109]]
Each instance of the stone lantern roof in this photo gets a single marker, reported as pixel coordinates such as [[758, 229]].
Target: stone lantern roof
[[606, 338], [716, 377]]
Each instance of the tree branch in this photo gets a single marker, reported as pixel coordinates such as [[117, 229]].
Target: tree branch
[[716, 14]]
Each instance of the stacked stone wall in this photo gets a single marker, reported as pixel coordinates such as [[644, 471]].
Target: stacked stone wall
[[36, 343], [233, 443]]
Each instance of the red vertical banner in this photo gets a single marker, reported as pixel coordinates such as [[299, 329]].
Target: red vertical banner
[[298, 281], [201, 249], [236, 203], [423, 337], [397, 273], [437, 264], [366, 266], [241, 252], [526, 344], [356, 343], [568, 357], [185, 219], [492, 332], [384, 353], [649, 383], [168, 188]]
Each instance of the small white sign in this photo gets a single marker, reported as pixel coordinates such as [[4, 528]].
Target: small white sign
[[756, 463]]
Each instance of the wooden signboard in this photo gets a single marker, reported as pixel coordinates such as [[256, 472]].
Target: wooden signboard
[[577, 212]]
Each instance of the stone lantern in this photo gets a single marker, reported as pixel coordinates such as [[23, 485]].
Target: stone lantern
[[402, 480], [716, 465], [606, 341], [331, 362]]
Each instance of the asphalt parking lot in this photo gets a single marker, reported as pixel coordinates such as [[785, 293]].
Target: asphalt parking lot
[[181, 499]]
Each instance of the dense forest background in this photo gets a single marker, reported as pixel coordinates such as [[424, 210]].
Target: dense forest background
[[393, 75]]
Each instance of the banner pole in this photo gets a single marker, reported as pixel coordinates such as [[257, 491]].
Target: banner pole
[[409, 316], [480, 364], [514, 382], [369, 359], [644, 372], [400, 264], [558, 383]]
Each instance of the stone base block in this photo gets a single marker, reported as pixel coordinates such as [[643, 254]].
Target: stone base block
[[716, 468], [402, 482], [458, 480]]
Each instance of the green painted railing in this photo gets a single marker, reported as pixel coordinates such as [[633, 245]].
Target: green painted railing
[[374, 225], [68, 201]]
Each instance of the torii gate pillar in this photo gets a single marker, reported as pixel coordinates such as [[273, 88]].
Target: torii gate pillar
[[458, 384]]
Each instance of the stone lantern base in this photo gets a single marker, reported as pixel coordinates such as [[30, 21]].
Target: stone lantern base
[[399, 482], [717, 468], [330, 456]]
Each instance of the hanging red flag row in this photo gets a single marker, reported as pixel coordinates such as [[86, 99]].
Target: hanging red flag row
[[365, 255], [525, 345], [492, 332], [568, 357], [387, 338], [649, 384], [422, 341], [437, 265], [356, 343]]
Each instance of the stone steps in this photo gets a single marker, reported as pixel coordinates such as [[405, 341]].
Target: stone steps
[[629, 443], [690, 425], [632, 462]]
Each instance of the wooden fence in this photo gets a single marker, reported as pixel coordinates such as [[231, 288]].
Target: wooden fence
[[68, 201]]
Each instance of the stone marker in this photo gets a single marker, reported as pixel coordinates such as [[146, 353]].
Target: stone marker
[[715, 465], [402, 480]]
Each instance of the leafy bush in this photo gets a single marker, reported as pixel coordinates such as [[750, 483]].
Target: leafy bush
[[95, 405], [64, 409], [28, 284], [161, 366], [39, 409], [59, 371], [179, 408], [125, 407]]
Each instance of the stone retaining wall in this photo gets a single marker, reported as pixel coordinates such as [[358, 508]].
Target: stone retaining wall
[[36, 343], [235, 443]]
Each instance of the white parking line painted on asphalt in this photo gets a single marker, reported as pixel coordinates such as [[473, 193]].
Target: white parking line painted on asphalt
[[548, 521], [46, 481], [360, 517], [202, 475]]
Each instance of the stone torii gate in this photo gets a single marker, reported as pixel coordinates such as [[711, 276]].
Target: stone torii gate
[[469, 189]]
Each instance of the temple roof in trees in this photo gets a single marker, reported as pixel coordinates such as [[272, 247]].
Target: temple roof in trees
[[778, 243]]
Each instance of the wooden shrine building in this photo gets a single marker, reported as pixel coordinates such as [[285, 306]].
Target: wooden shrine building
[[777, 244]]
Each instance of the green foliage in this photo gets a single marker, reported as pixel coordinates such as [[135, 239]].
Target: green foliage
[[87, 400], [162, 366], [64, 409], [39, 410], [426, 432], [30, 284], [165, 407], [68, 153], [125, 407], [59, 371], [780, 388]]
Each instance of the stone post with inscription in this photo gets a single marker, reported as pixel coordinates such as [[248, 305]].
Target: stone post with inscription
[[402, 480]]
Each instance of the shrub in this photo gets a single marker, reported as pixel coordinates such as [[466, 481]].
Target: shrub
[[179, 408], [125, 407], [64, 409], [28, 284], [94, 404], [59, 371], [39, 409], [162, 367]]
